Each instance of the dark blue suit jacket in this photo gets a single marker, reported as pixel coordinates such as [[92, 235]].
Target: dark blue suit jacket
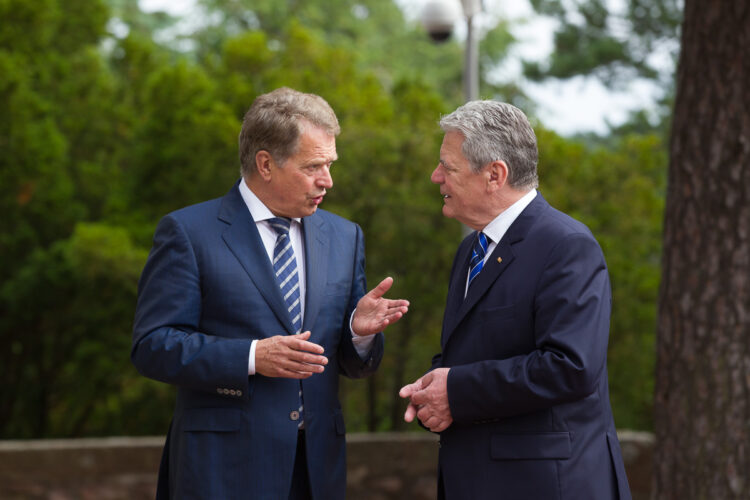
[[206, 292], [527, 349]]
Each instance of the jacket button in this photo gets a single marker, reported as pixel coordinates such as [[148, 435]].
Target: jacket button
[[294, 415], [239, 393]]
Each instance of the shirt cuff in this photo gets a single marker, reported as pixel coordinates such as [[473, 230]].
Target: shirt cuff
[[362, 343], [251, 359]]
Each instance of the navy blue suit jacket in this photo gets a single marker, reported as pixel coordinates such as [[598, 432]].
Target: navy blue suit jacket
[[206, 292], [527, 349]]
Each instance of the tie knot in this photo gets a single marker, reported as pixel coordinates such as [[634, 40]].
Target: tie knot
[[480, 246], [280, 225]]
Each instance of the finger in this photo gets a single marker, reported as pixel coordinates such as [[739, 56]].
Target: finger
[[409, 389], [441, 427], [400, 304], [304, 345], [285, 373], [382, 287], [304, 367], [304, 358], [411, 412], [393, 317]]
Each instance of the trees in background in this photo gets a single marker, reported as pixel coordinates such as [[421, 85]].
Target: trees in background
[[105, 128]]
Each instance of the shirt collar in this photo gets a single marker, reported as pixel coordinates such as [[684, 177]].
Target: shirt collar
[[257, 208], [496, 229]]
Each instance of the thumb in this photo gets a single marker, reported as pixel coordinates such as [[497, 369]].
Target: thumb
[[382, 287], [303, 335], [409, 389]]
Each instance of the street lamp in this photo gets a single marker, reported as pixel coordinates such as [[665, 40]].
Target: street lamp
[[438, 18]]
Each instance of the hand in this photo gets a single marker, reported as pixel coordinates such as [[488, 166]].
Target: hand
[[428, 400], [374, 312], [289, 356]]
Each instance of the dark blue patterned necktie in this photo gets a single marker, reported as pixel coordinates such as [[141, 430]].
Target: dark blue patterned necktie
[[477, 256]]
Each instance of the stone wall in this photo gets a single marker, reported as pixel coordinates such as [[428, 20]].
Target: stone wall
[[384, 466]]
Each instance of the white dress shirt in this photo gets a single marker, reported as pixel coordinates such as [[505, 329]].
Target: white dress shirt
[[495, 230], [261, 214]]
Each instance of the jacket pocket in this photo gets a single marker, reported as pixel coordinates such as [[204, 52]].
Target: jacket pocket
[[543, 445], [211, 419]]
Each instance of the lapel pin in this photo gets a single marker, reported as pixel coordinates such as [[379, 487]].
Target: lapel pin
[[499, 260]]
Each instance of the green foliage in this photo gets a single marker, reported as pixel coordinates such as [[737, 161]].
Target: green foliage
[[592, 39], [100, 135], [639, 39]]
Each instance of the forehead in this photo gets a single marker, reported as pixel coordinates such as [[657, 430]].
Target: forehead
[[450, 150], [316, 143]]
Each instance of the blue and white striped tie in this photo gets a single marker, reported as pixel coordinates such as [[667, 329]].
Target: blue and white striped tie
[[285, 268], [477, 256]]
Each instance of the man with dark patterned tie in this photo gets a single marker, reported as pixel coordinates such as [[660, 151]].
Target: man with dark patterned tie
[[519, 391], [252, 305]]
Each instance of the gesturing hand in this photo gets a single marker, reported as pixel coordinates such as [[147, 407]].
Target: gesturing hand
[[374, 312], [428, 400], [289, 356]]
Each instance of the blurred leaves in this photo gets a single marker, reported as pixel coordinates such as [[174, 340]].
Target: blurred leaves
[[105, 127]]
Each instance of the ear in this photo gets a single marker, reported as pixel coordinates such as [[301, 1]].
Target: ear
[[263, 164], [497, 175]]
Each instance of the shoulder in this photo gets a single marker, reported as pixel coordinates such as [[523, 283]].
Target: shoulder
[[554, 225], [338, 223], [193, 221], [196, 215], [554, 233]]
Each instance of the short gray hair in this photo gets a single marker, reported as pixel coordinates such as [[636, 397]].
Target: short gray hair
[[497, 131], [274, 124]]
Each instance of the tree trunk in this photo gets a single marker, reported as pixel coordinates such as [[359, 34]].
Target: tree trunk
[[702, 397]]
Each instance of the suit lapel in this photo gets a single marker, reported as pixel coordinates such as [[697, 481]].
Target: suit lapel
[[500, 259], [243, 240], [456, 287], [316, 266]]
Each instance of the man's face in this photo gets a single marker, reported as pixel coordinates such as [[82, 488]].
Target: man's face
[[299, 185], [464, 192]]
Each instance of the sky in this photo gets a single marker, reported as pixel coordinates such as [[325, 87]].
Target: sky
[[576, 105]]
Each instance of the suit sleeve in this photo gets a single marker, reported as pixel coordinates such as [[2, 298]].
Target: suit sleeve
[[571, 314], [352, 365], [167, 344]]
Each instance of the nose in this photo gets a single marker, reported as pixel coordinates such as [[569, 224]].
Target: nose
[[437, 175], [324, 179]]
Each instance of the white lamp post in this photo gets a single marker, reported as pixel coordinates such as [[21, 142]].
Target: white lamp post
[[439, 17]]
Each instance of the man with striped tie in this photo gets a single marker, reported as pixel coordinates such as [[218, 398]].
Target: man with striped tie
[[519, 391], [252, 305]]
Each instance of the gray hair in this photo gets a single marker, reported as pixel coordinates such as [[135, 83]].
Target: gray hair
[[275, 122], [496, 131]]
